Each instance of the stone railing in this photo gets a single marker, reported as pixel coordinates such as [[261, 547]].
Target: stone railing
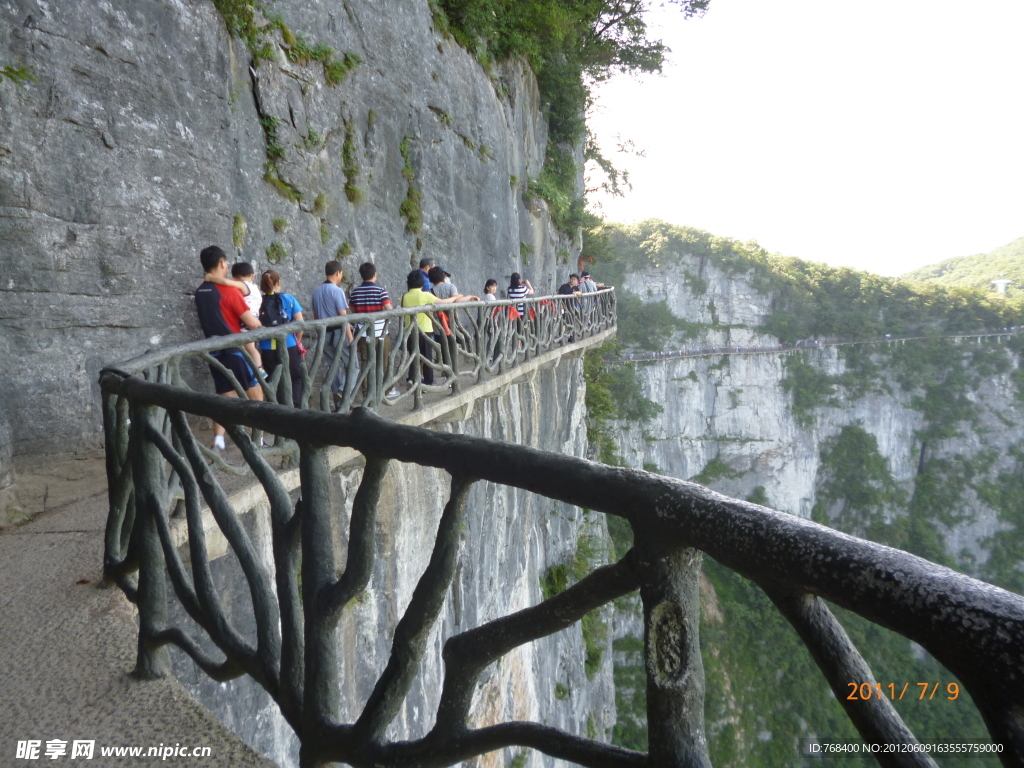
[[157, 469], [384, 366], [478, 338], [812, 344]]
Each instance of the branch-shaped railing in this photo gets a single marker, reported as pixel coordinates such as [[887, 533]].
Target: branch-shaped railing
[[471, 339], [975, 629]]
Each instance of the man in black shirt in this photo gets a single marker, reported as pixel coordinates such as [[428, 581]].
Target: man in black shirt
[[222, 312], [570, 309]]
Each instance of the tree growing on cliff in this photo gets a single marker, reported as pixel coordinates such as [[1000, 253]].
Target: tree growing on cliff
[[569, 44]]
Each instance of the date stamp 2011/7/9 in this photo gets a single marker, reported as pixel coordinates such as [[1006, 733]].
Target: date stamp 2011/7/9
[[865, 691]]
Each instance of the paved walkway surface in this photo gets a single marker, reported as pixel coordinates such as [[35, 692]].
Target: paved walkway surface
[[67, 648]]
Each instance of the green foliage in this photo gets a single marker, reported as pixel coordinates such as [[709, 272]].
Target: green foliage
[[1005, 494], [761, 678], [716, 469], [313, 141], [978, 271], [525, 251], [280, 225], [320, 203], [591, 726], [411, 207], [759, 496], [344, 250], [650, 325], [560, 577], [561, 692], [288, 191], [808, 299], [940, 374], [239, 229], [810, 388], [595, 640], [275, 153], [568, 44], [630, 677], [614, 391], [18, 75], [350, 164], [276, 252], [275, 150], [857, 478], [519, 761], [240, 18], [325, 232], [336, 70], [557, 186], [298, 50], [554, 581], [444, 117]]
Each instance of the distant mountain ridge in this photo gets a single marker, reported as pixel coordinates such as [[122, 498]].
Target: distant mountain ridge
[[978, 271]]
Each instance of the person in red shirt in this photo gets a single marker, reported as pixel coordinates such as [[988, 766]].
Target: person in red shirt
[[222, 312]]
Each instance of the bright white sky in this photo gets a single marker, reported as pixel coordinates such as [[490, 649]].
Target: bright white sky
[[883, 137]]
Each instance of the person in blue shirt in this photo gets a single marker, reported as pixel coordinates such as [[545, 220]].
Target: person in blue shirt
[[279, 308]]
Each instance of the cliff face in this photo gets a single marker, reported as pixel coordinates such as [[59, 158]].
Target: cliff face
[[152, 133], [510, 540], [915, 444], [773, 419]]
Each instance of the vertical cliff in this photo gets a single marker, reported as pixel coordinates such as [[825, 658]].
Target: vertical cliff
[[343, 129], [512, 544], [916, 444]]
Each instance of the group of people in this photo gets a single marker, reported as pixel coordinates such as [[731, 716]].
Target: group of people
[[229, 302]]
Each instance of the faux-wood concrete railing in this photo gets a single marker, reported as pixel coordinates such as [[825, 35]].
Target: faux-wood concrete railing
[[975, 629]]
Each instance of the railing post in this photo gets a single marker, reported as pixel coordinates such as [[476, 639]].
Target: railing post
[[417, 361], [670, 591], [150, 497], [321, 695]]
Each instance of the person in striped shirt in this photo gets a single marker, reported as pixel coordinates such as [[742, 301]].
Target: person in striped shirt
[[519, 289], [368, 296]]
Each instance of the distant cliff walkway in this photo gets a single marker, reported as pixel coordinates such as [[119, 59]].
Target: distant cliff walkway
[[999, 335], [160, 481]]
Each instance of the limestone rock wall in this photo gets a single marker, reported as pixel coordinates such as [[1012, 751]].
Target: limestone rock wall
[[736, 409], [148, 135], [510, 539]]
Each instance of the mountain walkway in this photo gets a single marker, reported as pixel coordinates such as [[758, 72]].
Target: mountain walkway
[[805, 346]]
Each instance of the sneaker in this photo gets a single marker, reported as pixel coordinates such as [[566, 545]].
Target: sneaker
[[217, 449], [393, 392]]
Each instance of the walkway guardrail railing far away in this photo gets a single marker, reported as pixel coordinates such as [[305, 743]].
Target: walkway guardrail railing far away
[[812, 344], [472, 340], [299, 595]]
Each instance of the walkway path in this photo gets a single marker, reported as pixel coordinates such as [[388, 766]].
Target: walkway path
[[67, 647], [804, 346]]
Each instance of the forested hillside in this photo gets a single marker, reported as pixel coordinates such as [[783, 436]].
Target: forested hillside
[[979, 270]]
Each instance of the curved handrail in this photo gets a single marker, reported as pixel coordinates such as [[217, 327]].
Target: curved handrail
[[975, 629], [482, 338], [785, 348]]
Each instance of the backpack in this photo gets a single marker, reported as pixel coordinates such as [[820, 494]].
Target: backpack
[[272, 311]]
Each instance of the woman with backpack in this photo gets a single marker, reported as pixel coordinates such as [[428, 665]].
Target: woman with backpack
[[277, 309]]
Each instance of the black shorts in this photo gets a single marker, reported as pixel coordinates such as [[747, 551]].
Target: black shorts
[[235, 363]]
